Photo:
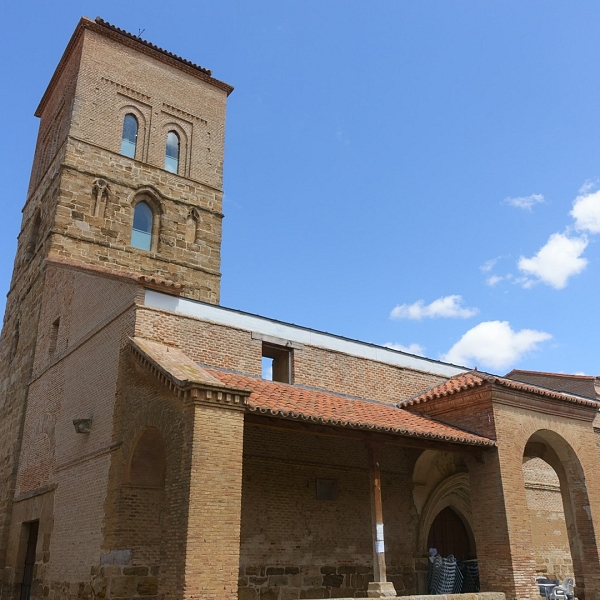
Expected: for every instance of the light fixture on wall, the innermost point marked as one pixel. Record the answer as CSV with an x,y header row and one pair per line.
x,y
83,425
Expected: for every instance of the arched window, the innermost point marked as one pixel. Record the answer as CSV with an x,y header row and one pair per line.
x,y
129,137
141,233
172,152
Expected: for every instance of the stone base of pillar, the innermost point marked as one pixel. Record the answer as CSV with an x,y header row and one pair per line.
x,y
378,589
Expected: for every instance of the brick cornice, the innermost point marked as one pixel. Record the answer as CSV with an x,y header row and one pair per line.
x,y
183,378
555,407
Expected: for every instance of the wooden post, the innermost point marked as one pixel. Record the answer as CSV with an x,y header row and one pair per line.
x,y
380,587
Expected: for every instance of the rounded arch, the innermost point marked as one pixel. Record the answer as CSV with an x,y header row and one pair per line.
x,y
558,453
142,238
452,492
148,462
172,127
140,146
422,466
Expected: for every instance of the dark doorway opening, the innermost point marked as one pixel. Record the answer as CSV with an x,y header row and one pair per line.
x,y
32,537
448,535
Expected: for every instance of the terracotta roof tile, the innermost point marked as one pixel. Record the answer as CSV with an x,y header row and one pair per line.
x,y
465,381
137,38
318,406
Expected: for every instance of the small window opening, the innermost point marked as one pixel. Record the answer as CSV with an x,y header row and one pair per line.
x,y
141,233
32,537
327,490
276,363
172,152
129,137
54,336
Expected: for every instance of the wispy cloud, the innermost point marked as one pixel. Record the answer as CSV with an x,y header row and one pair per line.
x,y
488,265
494,345
493,280
586,212
341,136
525,202
446,307
411,348
555,262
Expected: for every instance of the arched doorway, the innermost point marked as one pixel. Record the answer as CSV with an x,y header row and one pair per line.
x,y
448,535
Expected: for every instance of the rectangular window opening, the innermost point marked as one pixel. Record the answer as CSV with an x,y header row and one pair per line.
x,y
32,537
276,363
327,490
54,336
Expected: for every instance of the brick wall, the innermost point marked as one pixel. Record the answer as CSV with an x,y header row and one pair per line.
x,y
231,348
547,516
570,446
296,546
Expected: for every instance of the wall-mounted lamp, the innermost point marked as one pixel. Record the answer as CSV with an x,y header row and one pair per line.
x,y
83,425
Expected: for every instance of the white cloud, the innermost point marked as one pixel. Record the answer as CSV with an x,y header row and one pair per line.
x,y
586,212
588,186
525,202
556,261
448,307
411,349
494,345
493,280
488,265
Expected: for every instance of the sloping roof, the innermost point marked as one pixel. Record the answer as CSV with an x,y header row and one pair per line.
x,y
173,363
472,379
319,406
580,385
141,40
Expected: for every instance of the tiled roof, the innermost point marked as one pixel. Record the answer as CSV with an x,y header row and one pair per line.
x,y
472,379
318,406
581,385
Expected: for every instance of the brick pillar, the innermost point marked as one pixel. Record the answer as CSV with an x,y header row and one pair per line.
x,y
501,526
212,549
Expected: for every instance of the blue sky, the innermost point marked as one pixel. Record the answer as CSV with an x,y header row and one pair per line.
x,y
423,174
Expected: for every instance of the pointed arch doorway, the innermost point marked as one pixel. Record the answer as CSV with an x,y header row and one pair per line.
x,y
448,535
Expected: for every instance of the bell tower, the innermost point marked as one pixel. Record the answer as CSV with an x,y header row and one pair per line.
x,y
128,168
127,177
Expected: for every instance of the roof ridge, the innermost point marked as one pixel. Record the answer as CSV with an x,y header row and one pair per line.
x,y
137,38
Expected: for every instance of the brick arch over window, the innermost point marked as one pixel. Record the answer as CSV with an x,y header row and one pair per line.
x,y
184,146
147,466
152,199
553,449
141,144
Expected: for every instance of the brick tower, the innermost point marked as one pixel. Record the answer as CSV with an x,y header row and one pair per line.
x,y
127,177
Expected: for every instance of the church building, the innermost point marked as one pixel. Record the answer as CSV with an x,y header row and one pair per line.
x,y
144,452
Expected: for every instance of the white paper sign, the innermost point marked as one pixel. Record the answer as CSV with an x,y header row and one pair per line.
x,y
379,529
379,547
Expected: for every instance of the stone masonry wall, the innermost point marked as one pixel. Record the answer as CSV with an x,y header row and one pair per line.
x,y
93,236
